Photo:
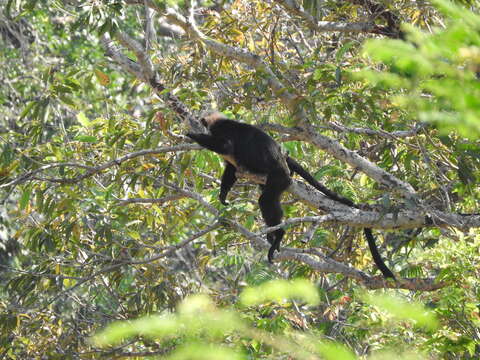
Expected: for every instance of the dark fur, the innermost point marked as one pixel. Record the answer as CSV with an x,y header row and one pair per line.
x,y
245,146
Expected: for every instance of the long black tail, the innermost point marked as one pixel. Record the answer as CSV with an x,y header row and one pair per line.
x,y
297,168
376,255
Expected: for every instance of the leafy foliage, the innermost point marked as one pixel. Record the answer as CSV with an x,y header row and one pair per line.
x,y
110,223
197,317
439,72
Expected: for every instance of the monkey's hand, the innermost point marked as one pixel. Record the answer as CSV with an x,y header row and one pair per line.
x,y
192,135
274,238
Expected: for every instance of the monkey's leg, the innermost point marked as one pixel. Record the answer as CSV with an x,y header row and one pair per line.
x,y
228,179
277,182
213,143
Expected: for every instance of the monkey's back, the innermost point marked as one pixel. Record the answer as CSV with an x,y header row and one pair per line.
x,y
252,148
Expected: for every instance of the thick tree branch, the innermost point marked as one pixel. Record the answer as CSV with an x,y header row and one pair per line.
x,y
381,133
141,54
348,156
340,152
327,265
146,73
377,219
150,34
121,59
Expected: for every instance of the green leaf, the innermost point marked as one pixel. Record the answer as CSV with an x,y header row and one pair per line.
x,y
154,326
317,74
279,291
343,50
403,310
86,138
67,100
83,120
334,351
25,198
27,109
205,352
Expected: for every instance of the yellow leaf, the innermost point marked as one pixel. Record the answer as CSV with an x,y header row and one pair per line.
x,y
239,36
68,282
363,180
134,235
76,231
102,78
251,44
148,166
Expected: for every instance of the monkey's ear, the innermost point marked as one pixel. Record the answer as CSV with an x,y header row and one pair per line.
x,y
204,122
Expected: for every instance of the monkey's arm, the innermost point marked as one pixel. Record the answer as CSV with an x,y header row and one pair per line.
x,y
228,179
213,143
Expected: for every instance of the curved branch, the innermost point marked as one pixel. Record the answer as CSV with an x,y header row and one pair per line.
x,y
290,99
124,61
375,219
146,73
162,200
325,264
370,132
141,54
340,152
350,157
92,170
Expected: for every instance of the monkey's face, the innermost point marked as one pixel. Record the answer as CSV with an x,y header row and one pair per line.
x,y
204,122
210,119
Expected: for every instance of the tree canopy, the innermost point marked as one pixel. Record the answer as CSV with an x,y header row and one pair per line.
x,y
113,242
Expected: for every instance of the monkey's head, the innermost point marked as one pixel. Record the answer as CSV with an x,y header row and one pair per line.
x,y
212,118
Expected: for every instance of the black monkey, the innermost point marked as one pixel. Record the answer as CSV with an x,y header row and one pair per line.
x,y
247,147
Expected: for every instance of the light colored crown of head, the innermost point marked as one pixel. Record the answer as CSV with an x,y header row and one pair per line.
x,y
212,117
